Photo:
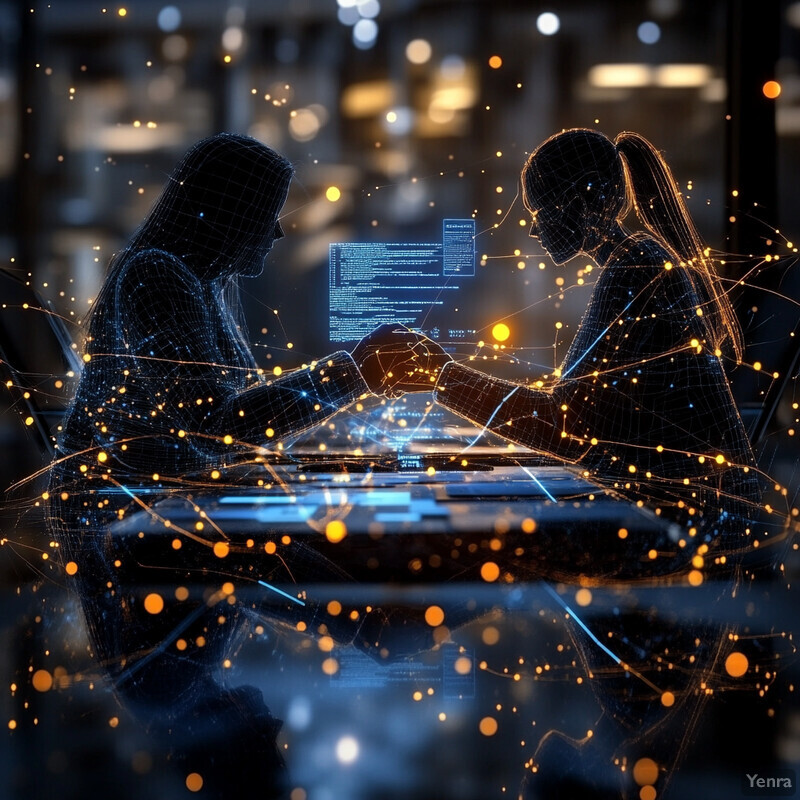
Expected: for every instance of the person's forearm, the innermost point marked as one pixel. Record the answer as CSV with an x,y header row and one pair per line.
x,y
288,405
531,417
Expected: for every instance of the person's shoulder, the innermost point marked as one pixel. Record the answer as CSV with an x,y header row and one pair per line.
x,y
640,250
156,270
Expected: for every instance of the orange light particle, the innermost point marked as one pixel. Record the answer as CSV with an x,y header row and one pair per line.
x,y
695,577
583,597
495,62
648,793
221,549
154,603
71,568
501,332
434,616
736,664
490,571
667,699
488,726
335,531
330,666
771,89
645,771
463,665
194,781
42,680
334,608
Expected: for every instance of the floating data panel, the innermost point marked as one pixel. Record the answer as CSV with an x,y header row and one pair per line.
x,y
412,283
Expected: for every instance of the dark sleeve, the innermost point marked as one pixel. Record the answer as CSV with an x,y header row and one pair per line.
x,y
532,417
169,335
291,403
632,382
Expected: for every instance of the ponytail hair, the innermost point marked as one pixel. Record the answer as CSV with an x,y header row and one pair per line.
x,y
660,207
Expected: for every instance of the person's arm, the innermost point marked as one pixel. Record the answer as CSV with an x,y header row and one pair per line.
x,y
535,418
291,403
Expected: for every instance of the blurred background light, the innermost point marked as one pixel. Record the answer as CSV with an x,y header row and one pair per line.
x,y
304,125
365,32
348,15
347,750
399,121
175,47
169,19
233,38
419,51
625,76
648,32
548,23
369,9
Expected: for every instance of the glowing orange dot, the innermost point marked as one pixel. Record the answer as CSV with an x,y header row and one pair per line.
x,y
622,533
488,726
695,577
71,568
463,665
490,571
194,781
490,635
528,525
335,531
42,680
495,62
771,89
434,616
330,666
270,548
645,771
583,597
154,603
501,332
177,544
221,549
648,793
667,699
334,608
736,664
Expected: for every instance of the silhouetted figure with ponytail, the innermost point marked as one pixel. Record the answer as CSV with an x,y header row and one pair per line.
x,y
641,405
641,401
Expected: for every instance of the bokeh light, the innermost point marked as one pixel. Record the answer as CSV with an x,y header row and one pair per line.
x,y
548,23
648,32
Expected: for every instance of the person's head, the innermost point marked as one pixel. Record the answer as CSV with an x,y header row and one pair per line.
x,y
219,210
574,187
579,185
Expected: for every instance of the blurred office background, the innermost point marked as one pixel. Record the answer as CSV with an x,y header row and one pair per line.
x,y
396,114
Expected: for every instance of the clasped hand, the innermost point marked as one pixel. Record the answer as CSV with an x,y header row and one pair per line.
x,y
394,359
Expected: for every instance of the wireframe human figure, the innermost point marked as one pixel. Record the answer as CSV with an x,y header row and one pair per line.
x,y
641,401
170,391
641,404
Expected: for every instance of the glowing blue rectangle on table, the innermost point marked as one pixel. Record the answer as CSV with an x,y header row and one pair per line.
x,y
258,499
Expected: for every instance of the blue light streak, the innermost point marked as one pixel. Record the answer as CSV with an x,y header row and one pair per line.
x,y
284,594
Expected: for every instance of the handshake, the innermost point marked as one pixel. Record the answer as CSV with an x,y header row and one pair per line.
x,y
394,360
